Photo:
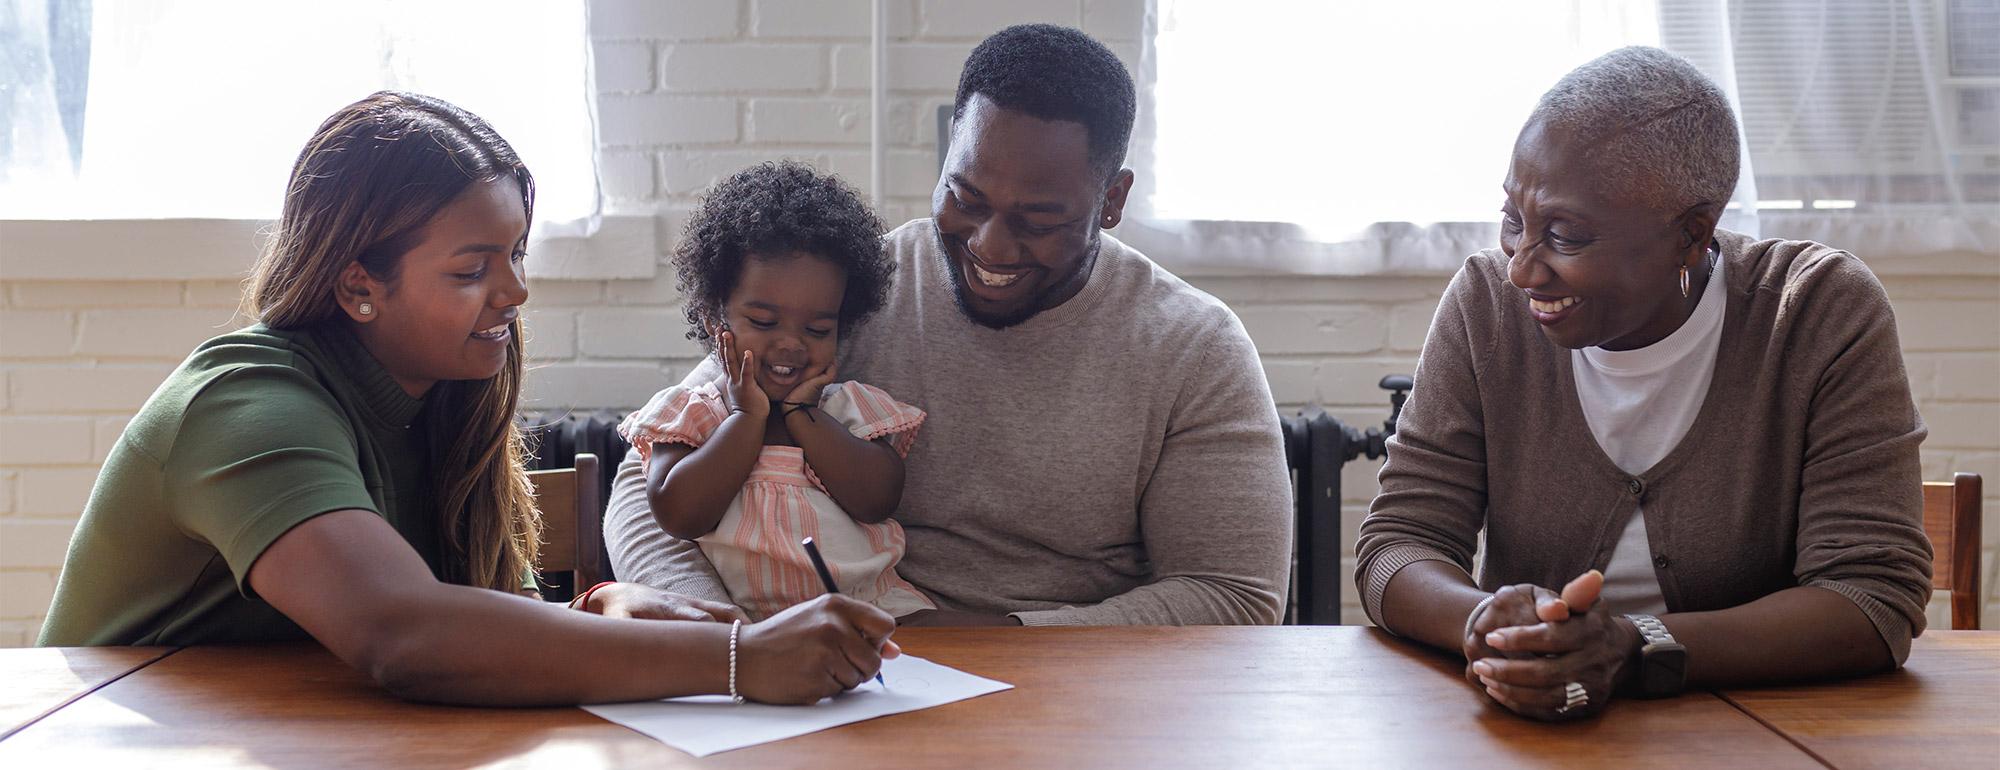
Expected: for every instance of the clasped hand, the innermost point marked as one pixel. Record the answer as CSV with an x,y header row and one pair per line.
x,y
1525,644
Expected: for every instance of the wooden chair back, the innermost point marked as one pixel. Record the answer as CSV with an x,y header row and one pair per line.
x,y
1951,519
572,520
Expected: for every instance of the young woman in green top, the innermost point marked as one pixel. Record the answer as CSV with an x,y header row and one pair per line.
x,y
349,468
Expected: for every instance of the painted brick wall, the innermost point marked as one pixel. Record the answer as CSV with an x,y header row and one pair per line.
x,y
692,90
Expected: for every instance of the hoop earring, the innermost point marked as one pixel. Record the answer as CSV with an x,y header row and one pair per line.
x,y
368,309
1684,281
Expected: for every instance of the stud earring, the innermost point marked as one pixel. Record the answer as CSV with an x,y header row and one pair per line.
x,y
368,309
1684,281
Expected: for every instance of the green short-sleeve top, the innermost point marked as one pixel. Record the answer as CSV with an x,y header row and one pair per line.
x,y
258,431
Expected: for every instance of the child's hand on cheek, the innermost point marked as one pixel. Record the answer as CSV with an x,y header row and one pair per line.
x,y
740,389
808,392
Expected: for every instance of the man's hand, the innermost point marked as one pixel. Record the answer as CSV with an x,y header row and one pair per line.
x,y
634,600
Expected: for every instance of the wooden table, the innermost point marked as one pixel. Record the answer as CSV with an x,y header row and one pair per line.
x,y
40,681
1941,710
1189,697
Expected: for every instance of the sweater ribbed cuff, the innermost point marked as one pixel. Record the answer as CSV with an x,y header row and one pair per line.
x,y
1383,568
1892,625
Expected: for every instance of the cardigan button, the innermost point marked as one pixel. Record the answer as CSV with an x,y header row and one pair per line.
x,y
1634,486
1660,560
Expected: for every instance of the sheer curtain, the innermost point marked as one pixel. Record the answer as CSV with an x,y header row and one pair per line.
x,y
1871,126
197,109
1364,138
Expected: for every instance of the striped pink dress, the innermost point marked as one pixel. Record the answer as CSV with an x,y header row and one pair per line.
x,y
755,548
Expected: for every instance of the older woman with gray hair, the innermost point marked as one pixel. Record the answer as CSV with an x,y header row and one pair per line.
x,y
1693,454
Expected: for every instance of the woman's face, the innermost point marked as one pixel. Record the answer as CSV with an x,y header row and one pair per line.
x,y
1597,267
450,312
786,310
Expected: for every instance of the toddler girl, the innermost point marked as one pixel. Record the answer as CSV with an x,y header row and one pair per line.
x,y
775,266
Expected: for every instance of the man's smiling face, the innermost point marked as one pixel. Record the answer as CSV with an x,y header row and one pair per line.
x,y
1018,210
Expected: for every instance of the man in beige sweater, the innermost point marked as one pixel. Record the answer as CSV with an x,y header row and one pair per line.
x,y
1101,446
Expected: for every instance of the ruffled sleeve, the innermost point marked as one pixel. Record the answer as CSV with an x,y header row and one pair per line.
x,y
870,413
677,415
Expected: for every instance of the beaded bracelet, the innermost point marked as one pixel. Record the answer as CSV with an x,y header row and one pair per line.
x,y
735,626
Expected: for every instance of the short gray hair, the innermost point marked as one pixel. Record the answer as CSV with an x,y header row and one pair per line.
x,y
1648,114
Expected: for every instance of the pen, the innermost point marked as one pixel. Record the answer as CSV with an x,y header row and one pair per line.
x,y
826,579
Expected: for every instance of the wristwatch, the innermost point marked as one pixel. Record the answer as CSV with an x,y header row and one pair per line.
x,y
1662,661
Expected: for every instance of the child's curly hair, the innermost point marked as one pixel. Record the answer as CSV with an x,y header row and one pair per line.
x,y
774,209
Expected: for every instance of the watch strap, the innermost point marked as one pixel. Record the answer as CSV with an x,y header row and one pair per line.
x,y
1652,630
1662,659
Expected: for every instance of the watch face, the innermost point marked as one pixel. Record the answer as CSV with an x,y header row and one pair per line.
x,y
1662,669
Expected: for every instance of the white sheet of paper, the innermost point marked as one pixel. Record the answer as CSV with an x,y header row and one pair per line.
x,y
705,724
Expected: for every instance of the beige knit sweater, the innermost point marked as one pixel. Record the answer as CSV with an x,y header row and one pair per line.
x,y
1800,469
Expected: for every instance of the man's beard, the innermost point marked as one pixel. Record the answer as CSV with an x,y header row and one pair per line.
x,y
955,274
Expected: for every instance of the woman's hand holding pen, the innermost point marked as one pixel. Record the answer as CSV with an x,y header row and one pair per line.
x,y
814,649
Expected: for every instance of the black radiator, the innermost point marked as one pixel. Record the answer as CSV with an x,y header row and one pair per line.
x,y
1316,447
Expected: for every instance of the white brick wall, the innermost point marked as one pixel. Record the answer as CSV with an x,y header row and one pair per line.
x,y
827,19
692,90
664,19
976,20
637,119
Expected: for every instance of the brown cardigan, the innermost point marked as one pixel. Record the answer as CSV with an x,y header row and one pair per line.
x,y
1800,469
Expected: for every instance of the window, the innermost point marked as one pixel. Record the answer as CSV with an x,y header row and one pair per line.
x,y
1864,108
198,108
1347,114
1370,137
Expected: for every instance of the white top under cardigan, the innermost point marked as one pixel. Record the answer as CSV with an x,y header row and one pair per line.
x,y
1639,404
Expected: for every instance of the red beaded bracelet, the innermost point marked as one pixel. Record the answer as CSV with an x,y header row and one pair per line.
x,y
582,600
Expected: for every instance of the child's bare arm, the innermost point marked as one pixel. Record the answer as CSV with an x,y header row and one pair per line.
x,y
689,489
864,477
